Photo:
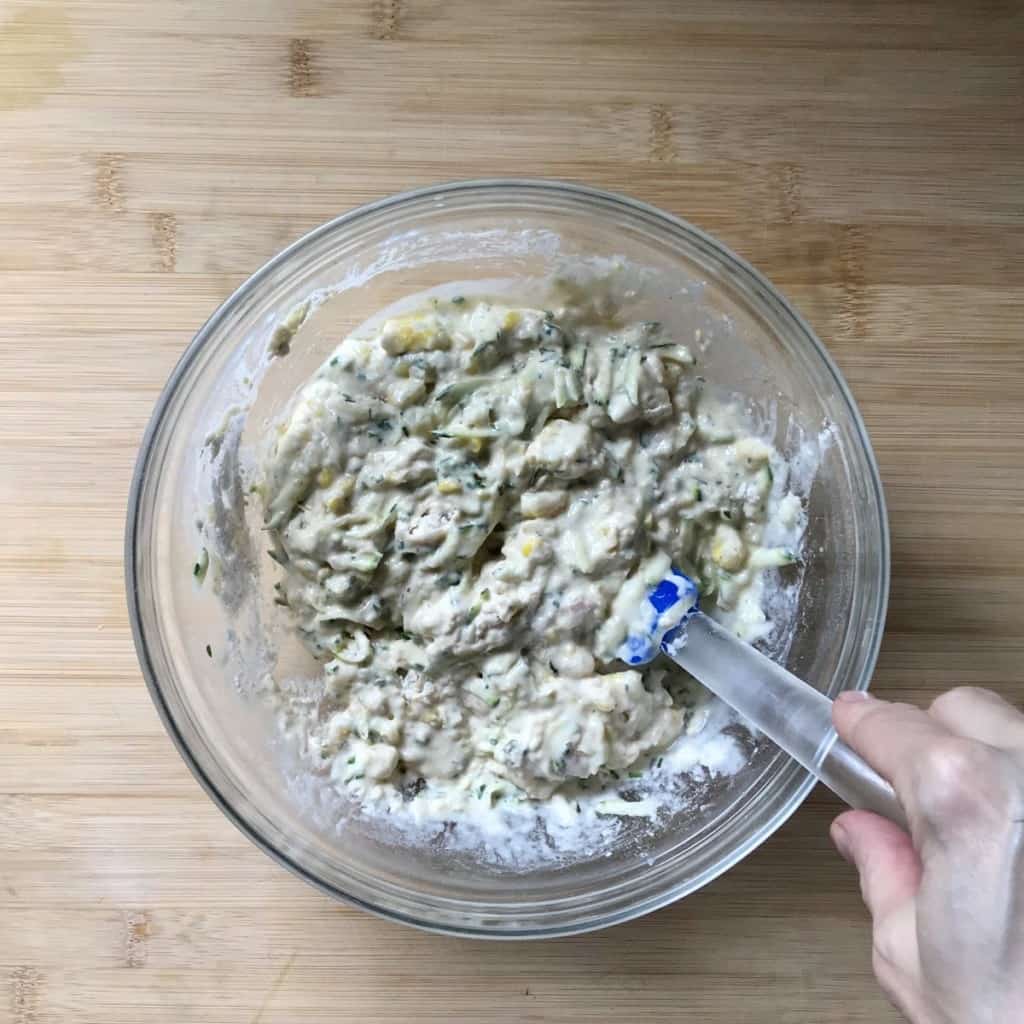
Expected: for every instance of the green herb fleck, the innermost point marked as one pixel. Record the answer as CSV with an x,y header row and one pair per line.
x,y
209,651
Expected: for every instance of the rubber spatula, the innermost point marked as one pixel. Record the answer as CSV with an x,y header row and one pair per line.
x,y
790,712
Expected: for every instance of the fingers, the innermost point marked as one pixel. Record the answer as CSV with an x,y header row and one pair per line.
x,y
950,784
980,715
892,738
889,868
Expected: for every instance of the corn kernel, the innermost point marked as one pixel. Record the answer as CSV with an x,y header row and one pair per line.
x,y
528,548
727,549
449,486
412,334
325,477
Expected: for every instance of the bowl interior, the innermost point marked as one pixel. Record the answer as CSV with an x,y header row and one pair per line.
x,y
207,656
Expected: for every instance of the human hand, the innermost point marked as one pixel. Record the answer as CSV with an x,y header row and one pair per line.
x,y
947,901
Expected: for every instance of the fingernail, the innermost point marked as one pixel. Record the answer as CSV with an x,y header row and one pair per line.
x,y
854,696
841,839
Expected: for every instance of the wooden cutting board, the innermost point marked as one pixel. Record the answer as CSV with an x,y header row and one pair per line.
x,y
868,157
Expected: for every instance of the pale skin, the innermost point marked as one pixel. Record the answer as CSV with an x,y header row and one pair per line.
x,y
947,900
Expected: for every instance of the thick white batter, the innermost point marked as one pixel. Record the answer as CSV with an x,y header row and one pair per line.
x,y
465,506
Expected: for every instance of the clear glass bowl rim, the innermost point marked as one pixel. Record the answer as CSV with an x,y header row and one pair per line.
x,y
497,189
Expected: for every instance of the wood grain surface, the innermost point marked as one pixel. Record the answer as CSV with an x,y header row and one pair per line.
x,y
869,157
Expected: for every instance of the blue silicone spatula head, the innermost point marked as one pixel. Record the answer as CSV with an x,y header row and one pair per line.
x,y
660,621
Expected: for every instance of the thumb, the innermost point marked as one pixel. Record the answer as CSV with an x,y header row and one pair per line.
x,y
890,873
889,868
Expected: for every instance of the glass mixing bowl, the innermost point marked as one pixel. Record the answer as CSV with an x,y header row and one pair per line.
x,y
203,654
